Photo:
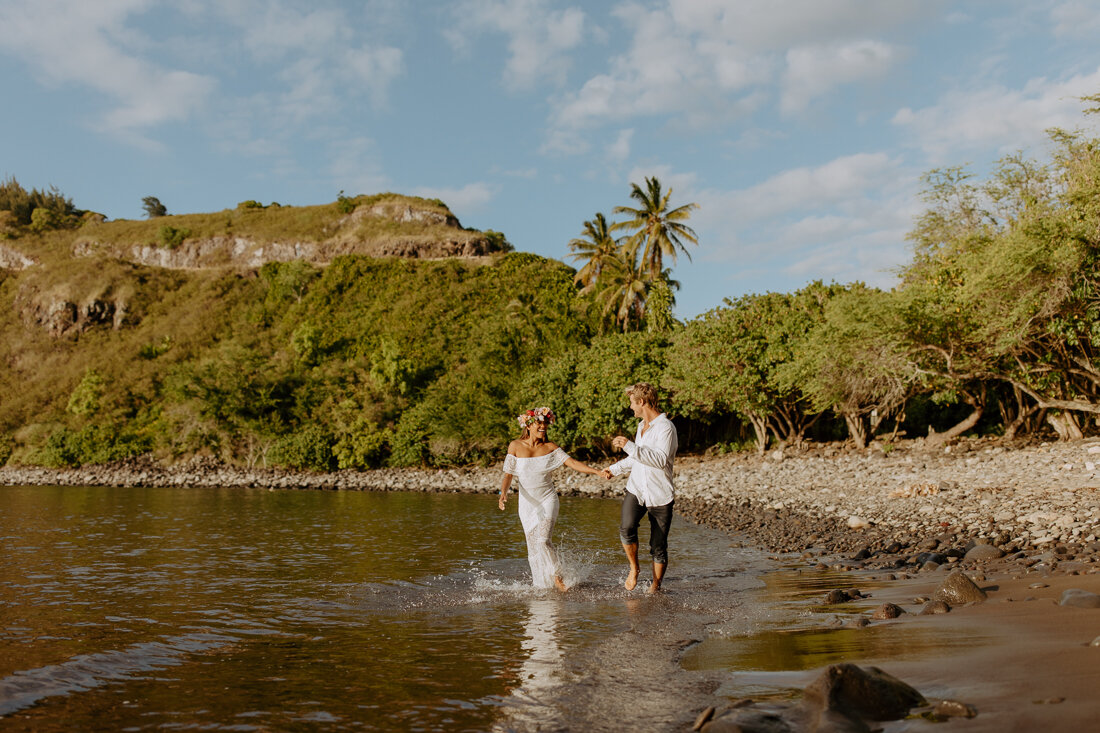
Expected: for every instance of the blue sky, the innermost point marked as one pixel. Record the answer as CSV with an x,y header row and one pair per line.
x,y
800,127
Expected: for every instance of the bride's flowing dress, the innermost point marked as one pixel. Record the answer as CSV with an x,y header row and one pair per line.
x,y
538,511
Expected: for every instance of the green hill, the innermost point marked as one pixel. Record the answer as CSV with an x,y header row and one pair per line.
x,y
367,331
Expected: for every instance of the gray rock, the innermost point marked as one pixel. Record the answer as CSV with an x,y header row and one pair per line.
x,y
984,552
959,589
932,607
887,611
870,693
1078,598
837,596
750,720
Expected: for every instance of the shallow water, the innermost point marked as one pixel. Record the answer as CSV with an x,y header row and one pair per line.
x,y
135,608
255,610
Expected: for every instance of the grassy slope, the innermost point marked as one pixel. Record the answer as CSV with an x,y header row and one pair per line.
x,y
181,327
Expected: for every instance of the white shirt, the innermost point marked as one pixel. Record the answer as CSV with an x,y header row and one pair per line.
x,y
649,462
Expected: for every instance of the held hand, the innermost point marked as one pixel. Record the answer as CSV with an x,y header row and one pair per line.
x,y
618,442
606,473
502,501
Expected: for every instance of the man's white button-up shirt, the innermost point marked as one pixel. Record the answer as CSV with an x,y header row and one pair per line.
x,y
649,461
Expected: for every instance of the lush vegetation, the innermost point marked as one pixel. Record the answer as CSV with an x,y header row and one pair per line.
x,y
368,362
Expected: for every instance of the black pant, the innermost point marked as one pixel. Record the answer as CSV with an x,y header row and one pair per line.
x,y
660,520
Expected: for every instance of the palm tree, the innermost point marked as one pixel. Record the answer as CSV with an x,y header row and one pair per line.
x,y
660,228
595,247
624,287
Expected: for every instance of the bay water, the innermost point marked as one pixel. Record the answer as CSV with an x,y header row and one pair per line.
x,y
256,610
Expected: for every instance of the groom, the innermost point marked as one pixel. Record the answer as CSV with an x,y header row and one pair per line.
x,y
649,488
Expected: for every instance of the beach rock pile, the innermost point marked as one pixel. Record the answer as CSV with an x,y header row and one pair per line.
x,y
916,506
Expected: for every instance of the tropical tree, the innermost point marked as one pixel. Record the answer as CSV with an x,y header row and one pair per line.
x,y
623,288
851,362
595,247
660,229
153,207
729,360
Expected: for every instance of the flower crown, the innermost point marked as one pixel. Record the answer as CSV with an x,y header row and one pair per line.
x,y
539,414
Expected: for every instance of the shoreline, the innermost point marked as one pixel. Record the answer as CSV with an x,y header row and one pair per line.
x,y
1021,497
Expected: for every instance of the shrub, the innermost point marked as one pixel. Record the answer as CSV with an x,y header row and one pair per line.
x,y
153,350
85,398
309,448
7,445
43,219
411,441
364,446
171,237
67,448
344,204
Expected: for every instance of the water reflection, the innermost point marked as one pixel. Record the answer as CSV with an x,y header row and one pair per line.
x,y
533,703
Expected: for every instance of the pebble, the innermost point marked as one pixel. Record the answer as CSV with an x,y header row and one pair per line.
x,y
954,709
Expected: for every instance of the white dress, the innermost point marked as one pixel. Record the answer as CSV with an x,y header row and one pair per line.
x,y
538,511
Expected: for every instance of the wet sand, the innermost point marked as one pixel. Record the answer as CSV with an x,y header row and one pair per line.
x,y
1031,666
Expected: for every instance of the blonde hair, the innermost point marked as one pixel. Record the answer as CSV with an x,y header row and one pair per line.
x,y
644,392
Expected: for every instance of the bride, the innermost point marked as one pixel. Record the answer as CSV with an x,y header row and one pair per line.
x,y
532,459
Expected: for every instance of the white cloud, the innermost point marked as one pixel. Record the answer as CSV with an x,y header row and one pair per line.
x,y
813,71
844,179
845,220
271,31
539,38
701,62
996,117
373,69
471,197
780,24
355,167
619,150
1076,19
86,44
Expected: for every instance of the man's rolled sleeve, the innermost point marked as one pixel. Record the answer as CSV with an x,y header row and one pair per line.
x,y
619,467
656,456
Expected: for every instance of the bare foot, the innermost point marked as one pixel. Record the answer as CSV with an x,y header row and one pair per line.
x,y
631,579
560,583
653,588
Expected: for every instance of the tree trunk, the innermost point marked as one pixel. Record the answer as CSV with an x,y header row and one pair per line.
x,y
857,429
977,402
760,427
1065,424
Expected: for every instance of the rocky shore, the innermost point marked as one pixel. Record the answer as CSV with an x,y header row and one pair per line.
x,y
910,505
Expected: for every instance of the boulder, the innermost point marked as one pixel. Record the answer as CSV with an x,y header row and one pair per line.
x,y
984,552
959,589
751,720
932,607
838,596
869,694
887,611
1078,598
